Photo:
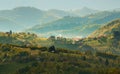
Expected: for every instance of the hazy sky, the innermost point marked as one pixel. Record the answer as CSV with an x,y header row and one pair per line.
x,y
61,4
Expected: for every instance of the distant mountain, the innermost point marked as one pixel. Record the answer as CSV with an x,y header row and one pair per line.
x,y
117,9
60,26
29,16
108,29
84,11
9,24
58,13
75,26
22,18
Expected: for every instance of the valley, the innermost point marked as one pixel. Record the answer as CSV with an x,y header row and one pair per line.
x,y
81,41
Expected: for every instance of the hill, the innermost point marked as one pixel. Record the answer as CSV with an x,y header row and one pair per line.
x,y
25,60
27,17
108,29
105,39
26,53
75,26
7,24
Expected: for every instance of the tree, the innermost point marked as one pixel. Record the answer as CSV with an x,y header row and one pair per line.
x,y
116,34
52,38
84,58
23,53
88,52
52,49
10,32
106,62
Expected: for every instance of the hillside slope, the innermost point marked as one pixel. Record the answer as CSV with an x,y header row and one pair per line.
x,y
108,29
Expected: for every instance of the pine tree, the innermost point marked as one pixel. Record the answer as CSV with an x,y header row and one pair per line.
x,y
106,62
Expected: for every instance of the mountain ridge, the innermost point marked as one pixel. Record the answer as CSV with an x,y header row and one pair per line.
x,y
30,16
76,26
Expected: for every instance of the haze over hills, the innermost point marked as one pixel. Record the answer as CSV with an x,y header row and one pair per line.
x,y
84,11
54,22
24,53
29,16
76,26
